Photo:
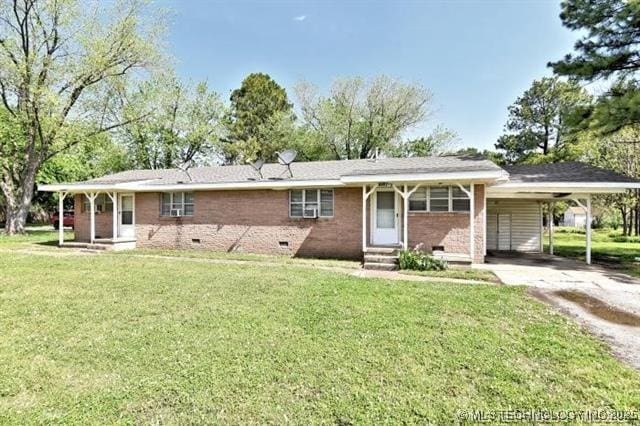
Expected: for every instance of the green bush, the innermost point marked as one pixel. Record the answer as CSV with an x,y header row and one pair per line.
x,y
417,260
568,230
624,239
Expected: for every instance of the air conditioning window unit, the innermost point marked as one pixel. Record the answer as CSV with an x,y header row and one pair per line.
x,y
175,213
310,213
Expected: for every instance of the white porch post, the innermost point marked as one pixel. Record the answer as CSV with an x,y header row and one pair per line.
x,y
61,196
405,194
472,221
92,198
114,202
405,219
588,230
364,218
550,220
365,196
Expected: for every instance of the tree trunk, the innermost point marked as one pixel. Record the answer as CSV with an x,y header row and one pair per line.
x,y
637,212
18,197
623,213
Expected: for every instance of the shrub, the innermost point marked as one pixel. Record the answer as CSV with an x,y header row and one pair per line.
x,y
624,239
418,260
568,230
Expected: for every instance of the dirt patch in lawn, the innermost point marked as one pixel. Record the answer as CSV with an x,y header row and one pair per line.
x,y
599,308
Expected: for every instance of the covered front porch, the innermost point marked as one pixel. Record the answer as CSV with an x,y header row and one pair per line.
x,y
445,218
110,218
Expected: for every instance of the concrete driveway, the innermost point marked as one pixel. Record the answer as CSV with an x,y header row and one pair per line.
x,y
604,301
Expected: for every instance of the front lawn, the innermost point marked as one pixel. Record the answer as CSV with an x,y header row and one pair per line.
x,y
608,248
463,273
123,339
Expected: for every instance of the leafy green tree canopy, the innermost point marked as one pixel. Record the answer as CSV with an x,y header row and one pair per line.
x,y
59,64
608,49
359,117
259,121
182,123
537,121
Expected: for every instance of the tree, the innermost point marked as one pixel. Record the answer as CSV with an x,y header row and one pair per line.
x,y
436,143
56,60
259,120
607,50
537,121
182,124
620,151
359,117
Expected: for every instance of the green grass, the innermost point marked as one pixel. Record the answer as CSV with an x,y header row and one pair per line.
x,y
608,247
218,255
123,339
458,273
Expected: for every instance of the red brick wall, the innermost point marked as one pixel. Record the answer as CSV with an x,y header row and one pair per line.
x,y
82,222
258,220
450,230
253,221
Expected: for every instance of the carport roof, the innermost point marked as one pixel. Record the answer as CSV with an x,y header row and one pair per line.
x,y
570,171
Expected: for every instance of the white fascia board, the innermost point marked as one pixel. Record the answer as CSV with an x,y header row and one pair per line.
x,y
563,186
75,187
146,187
422,177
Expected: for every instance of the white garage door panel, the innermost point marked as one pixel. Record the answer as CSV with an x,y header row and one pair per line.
x,y
525,224
492,231
504,231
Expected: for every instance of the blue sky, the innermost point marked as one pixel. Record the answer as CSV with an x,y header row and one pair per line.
x,y
475,56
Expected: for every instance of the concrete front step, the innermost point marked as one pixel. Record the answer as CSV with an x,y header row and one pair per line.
x,y
380,258
380,266
382,250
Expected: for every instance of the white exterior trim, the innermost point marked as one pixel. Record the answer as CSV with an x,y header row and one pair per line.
x,y
422,177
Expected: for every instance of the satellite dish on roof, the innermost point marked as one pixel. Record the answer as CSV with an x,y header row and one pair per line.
x,y
257,165
185,168
286,158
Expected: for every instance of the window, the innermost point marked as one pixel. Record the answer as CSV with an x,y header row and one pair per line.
x,y
178,202
418,200
459,199
311,203
102,204
439,199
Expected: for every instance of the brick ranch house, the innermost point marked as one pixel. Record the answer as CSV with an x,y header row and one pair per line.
x,y
458,207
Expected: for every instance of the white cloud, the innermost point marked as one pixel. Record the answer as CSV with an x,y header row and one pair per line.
x,y
300,18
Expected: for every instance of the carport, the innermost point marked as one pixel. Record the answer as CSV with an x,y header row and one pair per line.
x,y
514,208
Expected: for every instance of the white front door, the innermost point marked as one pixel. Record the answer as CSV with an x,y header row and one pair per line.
x,y
126,223
385,218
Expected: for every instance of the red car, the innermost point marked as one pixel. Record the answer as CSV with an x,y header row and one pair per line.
x,y
68,219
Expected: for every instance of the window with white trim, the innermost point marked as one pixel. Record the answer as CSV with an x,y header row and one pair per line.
x,y
459,199
311,203
440,199
177,204
102,204
418,200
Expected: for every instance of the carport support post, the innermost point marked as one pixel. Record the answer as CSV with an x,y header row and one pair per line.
x,y
550,219
61,196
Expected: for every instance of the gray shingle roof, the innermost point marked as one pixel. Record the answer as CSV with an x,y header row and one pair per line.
x,y
317,170
570,171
